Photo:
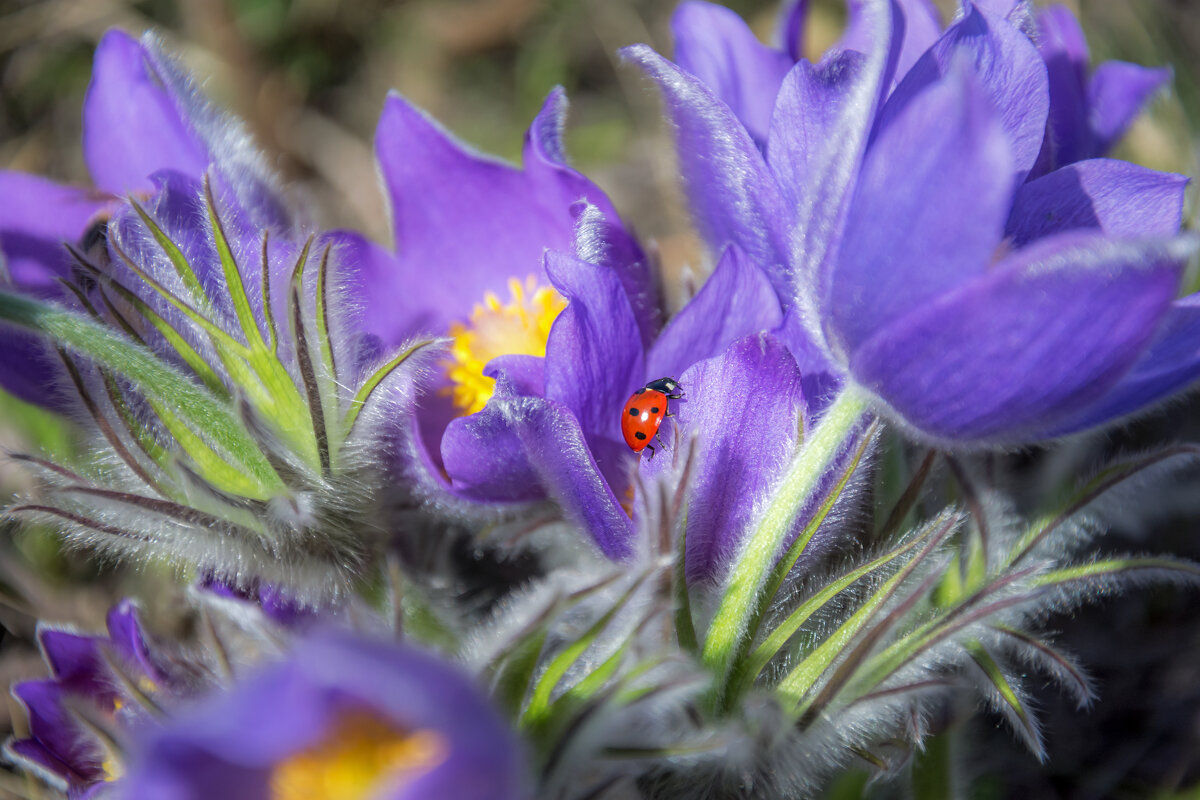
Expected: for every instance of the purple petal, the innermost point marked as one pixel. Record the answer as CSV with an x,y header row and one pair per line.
x,y
1043,334
1010,72
922,27
132,128
1122,199
714,44
916,23
484,456
55,730
36,217
732,195
810,103
74,660
746,409
942,153
1064,49
129,639
518,444
526,375
791,28
594,358
1168,366
1116,95
473,221
736,300
606,243
386,307
832,171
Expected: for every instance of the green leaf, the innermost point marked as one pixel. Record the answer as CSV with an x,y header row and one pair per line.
x,y
515,674
191,403
726,636
1090,491
1007,694
371,383
1113,567
178,260
539,703
749,670
797,684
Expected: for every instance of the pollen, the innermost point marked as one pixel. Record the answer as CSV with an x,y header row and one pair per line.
x,y
360,758
519,327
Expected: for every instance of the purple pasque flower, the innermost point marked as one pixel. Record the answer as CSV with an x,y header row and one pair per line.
x,y
554,424
912,259
716,45
342,716
95,684
1089,110
141,115
470,234
105,690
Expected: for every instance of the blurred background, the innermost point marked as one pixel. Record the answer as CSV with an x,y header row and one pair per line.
x,y
310,76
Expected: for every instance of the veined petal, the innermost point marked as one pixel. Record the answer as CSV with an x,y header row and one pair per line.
x,y
594,357
518,446
810,101
1065,51
1169,365
714,44
735,301
916,21
1122,199
376,274
131,125
942,153
732,195
36,217
471,220
1046,332
1116,94
1011,74
746,408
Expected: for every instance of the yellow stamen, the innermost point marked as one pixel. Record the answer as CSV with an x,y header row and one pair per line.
x,y
520,327
360,758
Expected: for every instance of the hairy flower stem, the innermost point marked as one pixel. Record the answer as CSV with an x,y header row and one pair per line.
x,y
731,624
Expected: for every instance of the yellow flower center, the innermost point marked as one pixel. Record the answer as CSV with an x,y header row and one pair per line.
x,y
520,327
359,759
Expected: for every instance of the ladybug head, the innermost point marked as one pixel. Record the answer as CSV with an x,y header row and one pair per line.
x,y
668,386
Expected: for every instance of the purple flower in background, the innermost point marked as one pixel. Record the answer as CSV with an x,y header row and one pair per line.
x,y
1090,110
914,263
105,690
95,683
141,116
341,717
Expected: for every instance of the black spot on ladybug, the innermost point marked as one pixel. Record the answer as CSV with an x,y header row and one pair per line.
x,y
641,391
639,435
654,410
633,412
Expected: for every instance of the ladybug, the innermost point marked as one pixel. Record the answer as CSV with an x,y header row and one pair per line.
x,y
644,412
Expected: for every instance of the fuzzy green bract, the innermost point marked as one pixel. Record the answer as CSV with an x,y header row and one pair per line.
x,y
230,438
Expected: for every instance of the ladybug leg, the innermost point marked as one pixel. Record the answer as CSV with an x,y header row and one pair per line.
x,y
658,436
650,447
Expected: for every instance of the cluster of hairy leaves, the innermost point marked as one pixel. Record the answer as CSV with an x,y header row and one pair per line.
x,y
247,447
606,671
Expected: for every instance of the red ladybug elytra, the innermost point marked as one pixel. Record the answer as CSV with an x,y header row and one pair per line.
x,y
645,411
